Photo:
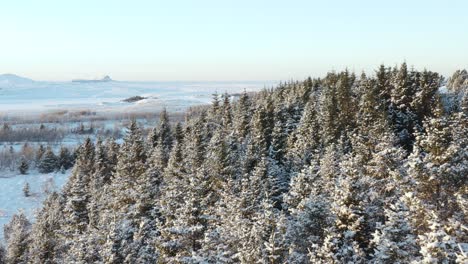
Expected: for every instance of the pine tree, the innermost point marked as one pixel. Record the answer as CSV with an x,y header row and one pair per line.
x,y
2,254
346,104
85,156
24,166
77,199
161,134
148,186
401,113
17,235
45,244
308,206
65,159
329,112
394,241
218,160
437,246
130,169
226,111
242,116
196,147
257,145
26,190
48,162
383,86
215,105
458,79
438,163
99,180
77,194
279,135
112,151
39,153
304,143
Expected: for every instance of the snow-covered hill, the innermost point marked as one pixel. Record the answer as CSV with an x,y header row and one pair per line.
x,y
21,95
12,80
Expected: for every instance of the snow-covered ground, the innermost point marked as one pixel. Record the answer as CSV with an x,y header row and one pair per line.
x,y
12,198
22,96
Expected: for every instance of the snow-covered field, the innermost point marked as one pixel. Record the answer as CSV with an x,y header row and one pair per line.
x,y
12,198
22,96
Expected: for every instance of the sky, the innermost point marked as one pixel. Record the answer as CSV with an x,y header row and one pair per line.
x,y
227,39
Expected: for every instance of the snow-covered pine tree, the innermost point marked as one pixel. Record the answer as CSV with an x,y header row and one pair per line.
x,y
401,115
394,240
307,204
100,178
226,119
112,152
215,106
438,163
161,134
39,153
165,136
425,99
242,116
279,135
77,199
45,244
24,166
48,161
65,158
77,196
458,79
2,254
257,143
304,143
329,111
17,236
131,167
26,190
346,103
437,246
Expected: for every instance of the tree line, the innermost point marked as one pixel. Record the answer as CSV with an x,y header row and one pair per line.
x,y
41,157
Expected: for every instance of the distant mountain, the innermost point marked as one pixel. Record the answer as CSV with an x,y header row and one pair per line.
x,y
12,79
105,79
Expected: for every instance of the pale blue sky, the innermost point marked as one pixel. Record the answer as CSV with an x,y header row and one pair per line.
x,y
227,39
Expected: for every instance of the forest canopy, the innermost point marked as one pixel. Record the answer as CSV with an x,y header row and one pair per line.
x,y
339,169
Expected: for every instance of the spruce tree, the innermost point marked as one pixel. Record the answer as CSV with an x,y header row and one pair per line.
x,y
2,254
242,116
65,159
17,235
48,162
26,190
394,241
39,153
226,111
45,244
24,166
130,168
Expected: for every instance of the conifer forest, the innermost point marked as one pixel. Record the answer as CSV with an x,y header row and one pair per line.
x,y
345,168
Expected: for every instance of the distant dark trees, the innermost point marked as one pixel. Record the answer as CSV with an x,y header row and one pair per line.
x,y
30,134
